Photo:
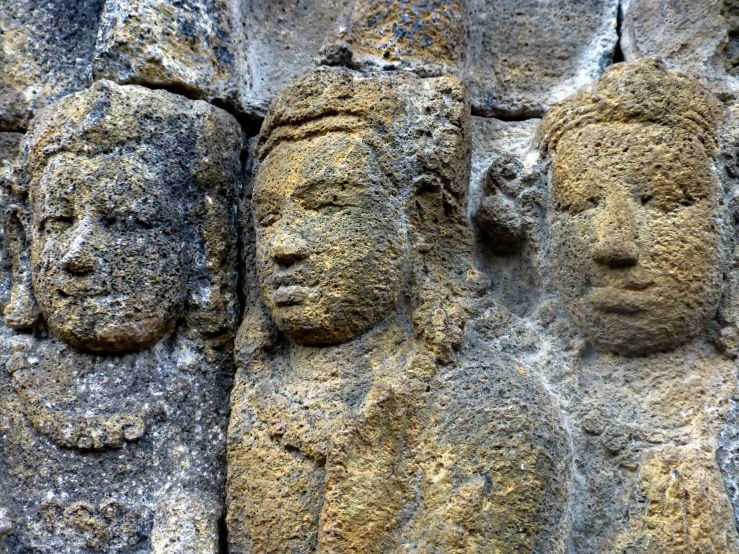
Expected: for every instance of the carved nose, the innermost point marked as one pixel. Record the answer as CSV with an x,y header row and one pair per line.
x,y
615,228
288,249
615,253
79,258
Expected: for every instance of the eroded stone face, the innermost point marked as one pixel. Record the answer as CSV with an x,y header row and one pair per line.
x,y
329,238
121,235
107,251
635,240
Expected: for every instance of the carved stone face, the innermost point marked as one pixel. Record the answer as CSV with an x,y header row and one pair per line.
x,y
106,252
329,238
634,232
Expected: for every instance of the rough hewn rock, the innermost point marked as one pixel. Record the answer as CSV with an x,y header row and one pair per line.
x,y
9,148
284,41
527,55
234,53
45,54
693,37
430,38
196,47
114,401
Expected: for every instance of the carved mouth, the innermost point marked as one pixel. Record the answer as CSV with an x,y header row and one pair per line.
x,y
628,300
71,292
290,295
637,285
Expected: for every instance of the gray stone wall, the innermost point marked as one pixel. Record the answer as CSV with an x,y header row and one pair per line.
x,y
369,276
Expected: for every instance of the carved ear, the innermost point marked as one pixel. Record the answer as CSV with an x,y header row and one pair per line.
x,y
22,312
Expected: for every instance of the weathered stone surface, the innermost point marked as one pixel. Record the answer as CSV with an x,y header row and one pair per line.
x,y
486,333
234,53
196,47
9,148
361,415
526,56
284,39
430,38
640,238
114,400
632,174
698,38
506,204
45,53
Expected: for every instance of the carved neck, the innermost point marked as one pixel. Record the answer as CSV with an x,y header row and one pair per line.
x,y
685,390
381,346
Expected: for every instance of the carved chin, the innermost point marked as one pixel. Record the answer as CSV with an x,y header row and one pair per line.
x,y
635,329
311,326
112,335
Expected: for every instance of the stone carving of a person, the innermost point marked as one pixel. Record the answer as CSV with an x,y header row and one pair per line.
x,y
116,373
640,239
367,415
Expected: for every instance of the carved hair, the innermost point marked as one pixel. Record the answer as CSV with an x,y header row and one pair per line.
x,y
642,91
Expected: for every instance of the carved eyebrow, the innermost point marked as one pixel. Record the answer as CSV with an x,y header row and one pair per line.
x,y
264,195
328,183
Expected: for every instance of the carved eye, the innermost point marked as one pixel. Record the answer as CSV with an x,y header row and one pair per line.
x,y
144,222
56,223
576,208
109,220
265,220
561,206
688,200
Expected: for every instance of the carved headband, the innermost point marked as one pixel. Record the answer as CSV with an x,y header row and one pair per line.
x,y
643,91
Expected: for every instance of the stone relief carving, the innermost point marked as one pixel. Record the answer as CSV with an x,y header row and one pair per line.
x,y
340,440
122,242
460,333
640,239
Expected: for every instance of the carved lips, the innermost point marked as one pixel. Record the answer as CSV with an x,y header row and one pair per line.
x,y
289,295
630,297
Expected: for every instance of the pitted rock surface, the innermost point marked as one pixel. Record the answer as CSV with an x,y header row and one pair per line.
x,y
369,276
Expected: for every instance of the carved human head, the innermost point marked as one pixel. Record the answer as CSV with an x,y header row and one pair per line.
x,y
635,210
123,201
331,186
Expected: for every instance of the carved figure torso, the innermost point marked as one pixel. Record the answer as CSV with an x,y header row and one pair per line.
x,y
640,241
80,427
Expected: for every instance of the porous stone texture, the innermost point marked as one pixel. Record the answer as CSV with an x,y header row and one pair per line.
x,y
640,238
429,38
9,148
698,38
369,276
234,53
45,53
360,417
284,40
116,355
196,47
527,55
